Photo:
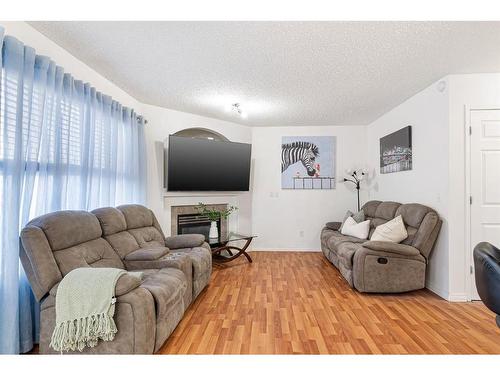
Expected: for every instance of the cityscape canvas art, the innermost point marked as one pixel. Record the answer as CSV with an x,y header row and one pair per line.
x,y
308,162
396,152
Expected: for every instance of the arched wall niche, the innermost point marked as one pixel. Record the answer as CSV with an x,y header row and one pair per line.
x,y
201,133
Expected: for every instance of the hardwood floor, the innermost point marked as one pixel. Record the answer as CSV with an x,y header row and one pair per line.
x,y
288,302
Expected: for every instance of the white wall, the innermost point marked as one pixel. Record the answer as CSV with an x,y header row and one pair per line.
x,y
161,123
291,219
465,90
44,46
427,183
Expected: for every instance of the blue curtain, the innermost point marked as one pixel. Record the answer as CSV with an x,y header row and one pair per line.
x,y
63,145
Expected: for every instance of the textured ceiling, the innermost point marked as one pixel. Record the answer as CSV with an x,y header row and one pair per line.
x,y
283,73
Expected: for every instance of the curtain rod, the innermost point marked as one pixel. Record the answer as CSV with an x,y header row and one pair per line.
x,y
139,118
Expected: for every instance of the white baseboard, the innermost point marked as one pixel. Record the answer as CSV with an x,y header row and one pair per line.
x,y
458,297
440,292
455,297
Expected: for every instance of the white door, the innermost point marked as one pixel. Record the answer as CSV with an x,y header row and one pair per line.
x,y
484,180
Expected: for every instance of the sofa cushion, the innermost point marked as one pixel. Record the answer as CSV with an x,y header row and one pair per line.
x,y
184,240
358,230
369,208
123,243
94,253
149,253
387,210
64,229
337,238
167,286
136,216
111,219
346,251
38,261
148,237
411,235
201,259
413,213
392,231
333,225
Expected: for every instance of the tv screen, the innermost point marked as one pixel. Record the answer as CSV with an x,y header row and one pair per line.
x,y
206,165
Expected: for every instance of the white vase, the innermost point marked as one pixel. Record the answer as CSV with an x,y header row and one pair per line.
x,y
214,232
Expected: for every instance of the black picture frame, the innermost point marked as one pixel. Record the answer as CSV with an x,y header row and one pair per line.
x,y
396,151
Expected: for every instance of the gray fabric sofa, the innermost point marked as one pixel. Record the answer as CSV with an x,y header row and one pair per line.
x,y
175,270
384,267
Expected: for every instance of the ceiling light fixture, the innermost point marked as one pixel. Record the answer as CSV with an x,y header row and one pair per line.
x,y
236,107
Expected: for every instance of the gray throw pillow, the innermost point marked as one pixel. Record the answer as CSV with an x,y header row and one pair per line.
x,y
358,217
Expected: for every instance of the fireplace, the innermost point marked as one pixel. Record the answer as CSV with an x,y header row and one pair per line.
x,y
187,220
194,223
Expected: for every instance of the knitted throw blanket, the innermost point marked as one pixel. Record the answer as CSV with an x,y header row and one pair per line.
x,y
85,308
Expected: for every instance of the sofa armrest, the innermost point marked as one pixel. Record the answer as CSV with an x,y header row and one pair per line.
x,y
125,284
333,225
391,247
147,253
184,240
167,261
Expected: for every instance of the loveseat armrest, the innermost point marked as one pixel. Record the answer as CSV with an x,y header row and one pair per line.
x,y
184,240
124,284
391,247
333,225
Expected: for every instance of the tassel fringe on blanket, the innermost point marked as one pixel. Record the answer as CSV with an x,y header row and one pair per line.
x,y
85,305
83,332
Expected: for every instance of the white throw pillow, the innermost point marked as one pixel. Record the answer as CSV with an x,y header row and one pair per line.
x,y
358,230
392,231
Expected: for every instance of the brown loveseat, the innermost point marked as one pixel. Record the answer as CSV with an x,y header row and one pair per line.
x,y
175,270
384,267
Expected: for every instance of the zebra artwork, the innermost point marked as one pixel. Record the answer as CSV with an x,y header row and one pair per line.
x,y
308,162
304,152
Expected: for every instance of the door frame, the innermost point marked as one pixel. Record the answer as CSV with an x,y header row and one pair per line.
x,y
468,154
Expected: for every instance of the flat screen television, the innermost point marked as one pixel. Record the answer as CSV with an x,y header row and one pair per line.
x,y
207,165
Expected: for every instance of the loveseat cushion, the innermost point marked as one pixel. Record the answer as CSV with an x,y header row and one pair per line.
x,y
184,240
167,286
370,208
123,243
64,229
201,259
387,210
149,253
337,238
111,219
94,253
391,247
334,225
148,237
136,216
346,251
413,213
